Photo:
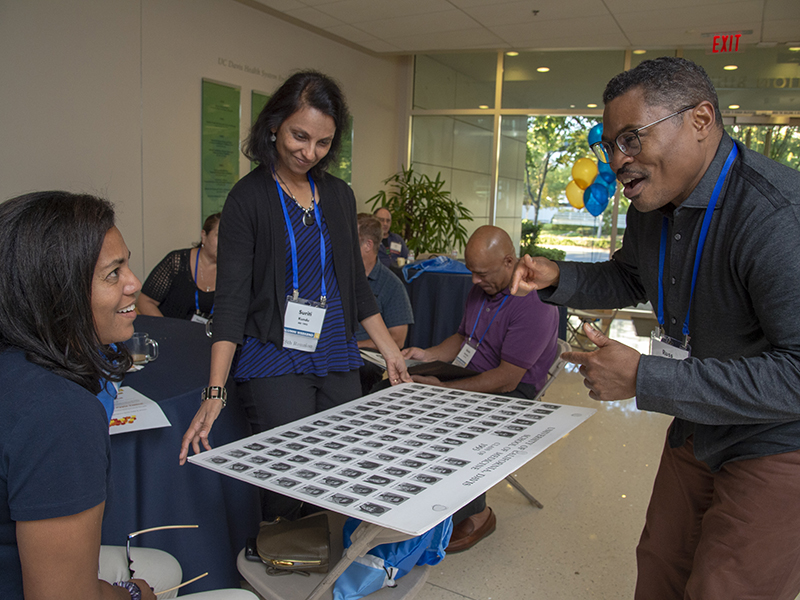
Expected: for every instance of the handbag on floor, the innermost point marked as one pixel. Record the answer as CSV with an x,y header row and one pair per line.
x,y
301,545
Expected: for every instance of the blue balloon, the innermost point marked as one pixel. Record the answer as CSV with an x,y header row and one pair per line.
x,y
607,178
604,167
595,199
595,133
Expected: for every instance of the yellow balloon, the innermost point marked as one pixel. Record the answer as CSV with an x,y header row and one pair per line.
x,y
575,194
583,172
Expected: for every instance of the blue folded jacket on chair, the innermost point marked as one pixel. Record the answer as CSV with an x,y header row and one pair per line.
x,y
385,564
437,264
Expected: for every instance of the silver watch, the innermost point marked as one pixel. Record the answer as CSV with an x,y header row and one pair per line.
x,y
215,392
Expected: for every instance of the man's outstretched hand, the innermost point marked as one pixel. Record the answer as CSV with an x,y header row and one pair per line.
x,y
610,371
532,274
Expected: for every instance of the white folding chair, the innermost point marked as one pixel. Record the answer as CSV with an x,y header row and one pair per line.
x,y
555,369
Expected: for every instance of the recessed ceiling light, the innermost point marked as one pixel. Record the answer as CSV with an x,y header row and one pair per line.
x,y
733,106
483,106
512,53
543,69
639,51
591,106
730,67
794,49
572,106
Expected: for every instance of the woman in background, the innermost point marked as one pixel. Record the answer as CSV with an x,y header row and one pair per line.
x,y
288,240
182,285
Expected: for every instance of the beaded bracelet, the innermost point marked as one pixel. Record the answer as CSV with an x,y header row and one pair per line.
x,y
133,589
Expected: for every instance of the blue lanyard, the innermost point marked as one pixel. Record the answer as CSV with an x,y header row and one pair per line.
x,y
196,293
293,243
107,397
494,316
712,203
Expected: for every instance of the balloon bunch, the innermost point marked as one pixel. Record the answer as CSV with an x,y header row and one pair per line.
x,y
593,183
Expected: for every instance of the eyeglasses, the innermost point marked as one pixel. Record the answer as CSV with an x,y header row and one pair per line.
x,y
628,142
130,562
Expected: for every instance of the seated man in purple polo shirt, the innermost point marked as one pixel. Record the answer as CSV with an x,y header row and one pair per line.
x,y
509,340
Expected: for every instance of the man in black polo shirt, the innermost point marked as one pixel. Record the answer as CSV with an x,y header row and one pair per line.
x,y
712,242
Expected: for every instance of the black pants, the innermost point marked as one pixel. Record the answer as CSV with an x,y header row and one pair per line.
x,y
371,375
274,401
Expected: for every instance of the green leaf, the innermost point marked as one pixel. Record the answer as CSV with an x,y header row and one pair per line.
x,y
423,213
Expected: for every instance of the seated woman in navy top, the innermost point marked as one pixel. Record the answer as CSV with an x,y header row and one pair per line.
x,y
182,285
66,299
66,296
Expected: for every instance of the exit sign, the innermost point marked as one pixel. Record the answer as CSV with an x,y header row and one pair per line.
x,y
725,42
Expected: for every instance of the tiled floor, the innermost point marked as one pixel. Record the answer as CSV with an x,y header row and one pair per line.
x,y
594,484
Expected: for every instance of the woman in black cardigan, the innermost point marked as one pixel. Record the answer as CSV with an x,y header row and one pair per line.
x,y
289,258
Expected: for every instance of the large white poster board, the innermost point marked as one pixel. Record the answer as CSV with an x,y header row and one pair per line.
x,y
403,458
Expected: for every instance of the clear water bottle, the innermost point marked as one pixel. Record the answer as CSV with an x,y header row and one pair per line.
x,y
410,258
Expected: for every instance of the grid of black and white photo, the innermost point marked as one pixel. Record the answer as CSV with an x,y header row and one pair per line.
x,y
405,457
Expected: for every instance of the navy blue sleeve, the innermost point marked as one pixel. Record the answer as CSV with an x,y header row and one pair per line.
x,y
57,456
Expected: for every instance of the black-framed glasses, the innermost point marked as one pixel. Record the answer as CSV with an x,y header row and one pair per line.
x,y
628,142
163,527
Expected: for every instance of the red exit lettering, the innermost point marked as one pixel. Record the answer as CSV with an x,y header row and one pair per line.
x,y
726,43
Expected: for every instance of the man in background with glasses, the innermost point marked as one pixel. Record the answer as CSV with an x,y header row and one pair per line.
x,y
712,242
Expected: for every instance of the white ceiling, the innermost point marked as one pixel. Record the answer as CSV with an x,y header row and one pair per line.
x,y
418,26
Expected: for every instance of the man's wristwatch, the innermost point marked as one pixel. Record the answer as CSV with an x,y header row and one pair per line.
x,y
133,589
215,392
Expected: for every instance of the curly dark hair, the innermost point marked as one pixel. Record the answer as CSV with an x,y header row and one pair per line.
x,y
49,246
667,81
306,88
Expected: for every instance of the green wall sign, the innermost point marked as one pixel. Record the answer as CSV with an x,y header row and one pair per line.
x,y
219,144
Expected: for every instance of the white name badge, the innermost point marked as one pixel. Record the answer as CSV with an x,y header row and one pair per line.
x,y
302,324
466,354
199,319
395,246
667,347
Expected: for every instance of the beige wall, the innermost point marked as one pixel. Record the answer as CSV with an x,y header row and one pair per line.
x,y
104,96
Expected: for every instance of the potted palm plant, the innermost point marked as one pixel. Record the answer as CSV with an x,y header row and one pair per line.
x,y
427,217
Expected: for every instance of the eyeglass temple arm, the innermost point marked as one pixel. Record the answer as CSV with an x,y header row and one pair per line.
x,y
182,584
161,528
135,533
675,114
